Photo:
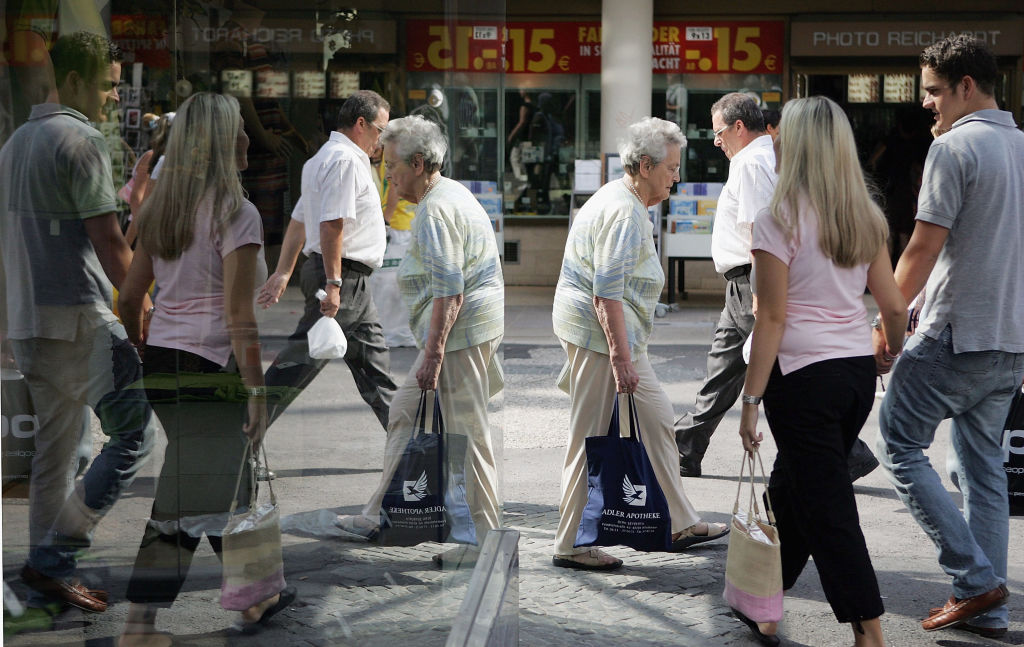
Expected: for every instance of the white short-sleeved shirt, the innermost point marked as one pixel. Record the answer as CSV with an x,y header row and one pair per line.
x,y
747,191
825,313
337,183
610,254
974,186
189,312
453,251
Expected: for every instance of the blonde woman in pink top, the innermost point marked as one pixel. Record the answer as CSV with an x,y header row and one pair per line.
x,y
202,242
821,241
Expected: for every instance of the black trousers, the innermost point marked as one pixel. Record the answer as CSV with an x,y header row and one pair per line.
x,y
815,414
726,373
202,408
367,356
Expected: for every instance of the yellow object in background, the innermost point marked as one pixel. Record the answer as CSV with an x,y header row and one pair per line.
x,y
405,211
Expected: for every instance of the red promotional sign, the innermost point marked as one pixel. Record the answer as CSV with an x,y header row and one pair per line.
x,y
143,35
712,47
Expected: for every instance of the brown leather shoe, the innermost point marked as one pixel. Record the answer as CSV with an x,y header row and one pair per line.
x,y
987,632
72,593
956,612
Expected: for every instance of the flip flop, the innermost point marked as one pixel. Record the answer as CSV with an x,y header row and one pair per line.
x,y
768,640
287,597
689,539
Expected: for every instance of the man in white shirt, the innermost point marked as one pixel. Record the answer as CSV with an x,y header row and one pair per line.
x,y
739,131
339,225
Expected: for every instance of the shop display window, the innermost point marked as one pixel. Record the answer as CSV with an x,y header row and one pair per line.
x,y
899,88
270,78
540,146
863,88
686,99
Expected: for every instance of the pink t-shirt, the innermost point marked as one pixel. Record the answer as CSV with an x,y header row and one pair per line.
x,y
825,313
189,312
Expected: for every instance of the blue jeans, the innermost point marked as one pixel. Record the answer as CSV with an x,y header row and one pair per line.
x,y
100,369
929,384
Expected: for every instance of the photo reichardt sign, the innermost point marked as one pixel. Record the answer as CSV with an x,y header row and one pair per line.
x,y
898,38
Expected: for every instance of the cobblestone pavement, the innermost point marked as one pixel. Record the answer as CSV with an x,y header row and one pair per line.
x,y
363,594
327,453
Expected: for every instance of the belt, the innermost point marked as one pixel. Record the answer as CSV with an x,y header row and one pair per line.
x,y
738,271
354,266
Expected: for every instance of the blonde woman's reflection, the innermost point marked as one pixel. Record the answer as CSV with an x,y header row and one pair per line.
x,y
202,241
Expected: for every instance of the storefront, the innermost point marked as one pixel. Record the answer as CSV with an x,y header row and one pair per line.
x,y
520,133
546,115
871,68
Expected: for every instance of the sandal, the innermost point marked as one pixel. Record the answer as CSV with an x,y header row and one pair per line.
x,y
689,536
352,530
285,599
592,560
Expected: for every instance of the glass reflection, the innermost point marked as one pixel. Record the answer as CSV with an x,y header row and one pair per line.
x,y
62,251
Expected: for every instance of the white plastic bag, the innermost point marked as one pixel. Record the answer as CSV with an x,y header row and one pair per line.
x,y
326,340
752,529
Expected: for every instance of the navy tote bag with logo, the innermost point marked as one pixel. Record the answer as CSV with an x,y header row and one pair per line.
x,y
625,504
426,499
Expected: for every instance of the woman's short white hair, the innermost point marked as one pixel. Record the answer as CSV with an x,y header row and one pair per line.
x,y
648,137
414,136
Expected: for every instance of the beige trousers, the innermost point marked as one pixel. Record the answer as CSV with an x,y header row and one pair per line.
x,y
468,379
591,388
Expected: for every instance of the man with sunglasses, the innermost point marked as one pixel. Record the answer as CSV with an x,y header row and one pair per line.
x,y
338,223
739,131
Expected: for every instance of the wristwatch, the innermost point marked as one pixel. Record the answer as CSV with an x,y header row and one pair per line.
x,y
876,323
751,399
334,282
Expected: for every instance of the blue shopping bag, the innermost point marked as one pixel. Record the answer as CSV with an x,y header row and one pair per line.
x,y
426,499
625,504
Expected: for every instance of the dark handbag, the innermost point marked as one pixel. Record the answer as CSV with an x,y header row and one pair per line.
x,y
1014,453
625,504
426,499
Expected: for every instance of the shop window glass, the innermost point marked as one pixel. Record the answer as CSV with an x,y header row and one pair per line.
x,y
540,137
275,79
686,100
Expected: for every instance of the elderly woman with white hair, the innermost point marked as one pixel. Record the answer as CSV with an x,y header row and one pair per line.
x,y
603,315
451,281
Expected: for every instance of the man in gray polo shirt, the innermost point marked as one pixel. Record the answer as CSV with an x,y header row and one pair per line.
x,y
967,357
62,249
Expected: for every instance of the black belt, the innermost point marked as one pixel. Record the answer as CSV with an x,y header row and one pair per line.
x,y
355,266
736,272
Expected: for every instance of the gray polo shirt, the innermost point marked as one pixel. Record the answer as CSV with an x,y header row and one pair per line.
x,y
974,186
54,175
